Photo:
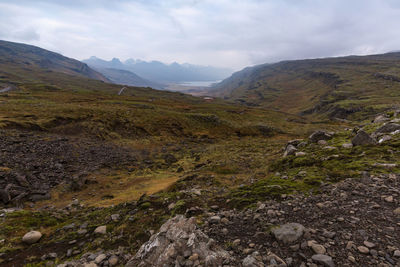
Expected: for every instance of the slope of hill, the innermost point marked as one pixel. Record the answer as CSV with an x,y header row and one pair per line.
x,y
28,57
163,73
337,87
126,77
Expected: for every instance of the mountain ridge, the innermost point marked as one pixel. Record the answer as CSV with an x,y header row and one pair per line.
x,y
29,56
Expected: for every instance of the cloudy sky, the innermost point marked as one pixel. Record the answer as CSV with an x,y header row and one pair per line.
x,y
228,33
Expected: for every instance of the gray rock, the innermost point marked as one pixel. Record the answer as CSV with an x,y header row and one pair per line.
x,y
347,145
101,230
320,135
31,237
384,139
388,128
174,238
362,138
215,219
288,233
323,259
290,150
5,196
250,261
380,118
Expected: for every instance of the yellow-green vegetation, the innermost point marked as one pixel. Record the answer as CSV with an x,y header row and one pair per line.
x,y
347,87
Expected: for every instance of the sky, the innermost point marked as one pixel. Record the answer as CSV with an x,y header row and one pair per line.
x,y
224,33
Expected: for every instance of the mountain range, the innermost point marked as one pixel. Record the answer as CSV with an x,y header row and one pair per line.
x,y
159,72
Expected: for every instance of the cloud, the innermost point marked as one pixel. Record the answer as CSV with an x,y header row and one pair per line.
x,y
229,33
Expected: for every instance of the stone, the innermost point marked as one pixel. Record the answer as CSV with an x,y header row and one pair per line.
x,y
113,260
215,219
369,244
325,260
31,237
5,196
380,118
318,249
347,145
389,199
300,154
384,139
90,264
177,235
115,217
288,233
362,138
290,150
363,250
397,211
388,128
249,261
320,135
396,253
322,142
100,258
102,230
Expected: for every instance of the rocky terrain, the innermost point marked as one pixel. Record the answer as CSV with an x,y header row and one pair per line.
x,y
32,164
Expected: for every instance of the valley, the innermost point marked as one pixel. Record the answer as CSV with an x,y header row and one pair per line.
x,y
288,164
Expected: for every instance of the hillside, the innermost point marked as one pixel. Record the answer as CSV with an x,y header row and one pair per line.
x,y
125,77
163,73
90,177
334,87
28,58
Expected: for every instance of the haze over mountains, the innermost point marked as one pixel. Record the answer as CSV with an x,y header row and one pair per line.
x,y
159,72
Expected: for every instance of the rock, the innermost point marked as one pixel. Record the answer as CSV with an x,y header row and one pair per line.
x,y
363,250
347,145
290,150
31,237
389,199
396,253
318,249
100,258
397,211
369,244
380,118
102,230
174,238
320,135
323,259
250,261
288,233
300,154
384,139
90,264
5,196
388,128
362,138
322,142
215,219
115,217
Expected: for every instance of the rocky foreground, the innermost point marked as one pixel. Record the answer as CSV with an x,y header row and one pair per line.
x,y
338,227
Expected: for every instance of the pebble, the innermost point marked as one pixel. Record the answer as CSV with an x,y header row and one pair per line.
x,y
363,250
318,249
101,230
369,244
113,260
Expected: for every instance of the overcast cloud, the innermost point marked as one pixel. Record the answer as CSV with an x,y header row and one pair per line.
x,y
228,33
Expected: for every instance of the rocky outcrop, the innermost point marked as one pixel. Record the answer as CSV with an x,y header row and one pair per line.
x,y
180,243
362,138
320,135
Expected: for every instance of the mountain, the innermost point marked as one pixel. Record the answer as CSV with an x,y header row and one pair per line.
x,y
163,73
28,57
336,87
126,77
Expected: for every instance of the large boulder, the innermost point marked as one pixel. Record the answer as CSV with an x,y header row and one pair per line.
x,y
179,241
388,128
288,233
320,135
31,237
362,138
